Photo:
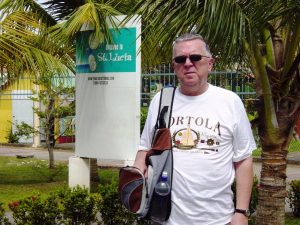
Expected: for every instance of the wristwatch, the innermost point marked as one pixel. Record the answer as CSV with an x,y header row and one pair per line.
x,y
245,212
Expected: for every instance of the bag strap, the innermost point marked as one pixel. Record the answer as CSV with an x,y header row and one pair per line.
x,y
165,107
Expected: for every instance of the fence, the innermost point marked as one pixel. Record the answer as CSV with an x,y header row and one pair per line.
x,y
152,80
156,78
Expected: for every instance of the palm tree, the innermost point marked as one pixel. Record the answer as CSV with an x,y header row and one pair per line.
x,y
73,14
262,35
48,40
31,34
24,43
27,48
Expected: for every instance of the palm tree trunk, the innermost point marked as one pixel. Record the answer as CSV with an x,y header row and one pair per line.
x,y
272,188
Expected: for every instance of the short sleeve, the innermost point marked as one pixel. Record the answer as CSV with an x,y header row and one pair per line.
x,y
243,140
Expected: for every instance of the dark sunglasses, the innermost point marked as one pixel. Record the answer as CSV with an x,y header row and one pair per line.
x,y
194,58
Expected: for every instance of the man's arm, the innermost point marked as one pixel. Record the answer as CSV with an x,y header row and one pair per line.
x,y
244,180
140,162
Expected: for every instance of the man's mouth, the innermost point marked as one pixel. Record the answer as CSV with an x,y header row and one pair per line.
x,y
188,73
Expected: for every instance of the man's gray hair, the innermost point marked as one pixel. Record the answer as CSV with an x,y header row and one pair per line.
x,y
189,37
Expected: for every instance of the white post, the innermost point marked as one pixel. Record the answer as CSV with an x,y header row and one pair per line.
x,y
79,172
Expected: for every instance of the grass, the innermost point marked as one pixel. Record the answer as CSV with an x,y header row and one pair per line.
x,y
294,147
21,178
107,174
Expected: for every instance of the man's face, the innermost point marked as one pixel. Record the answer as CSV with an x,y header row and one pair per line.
x,y
192,74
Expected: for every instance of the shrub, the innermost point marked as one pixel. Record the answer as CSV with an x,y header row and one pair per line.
x,y
294,197
111,208
33,210
78,206
12,137
67,206
3,219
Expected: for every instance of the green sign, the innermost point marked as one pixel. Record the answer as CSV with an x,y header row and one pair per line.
x,y
97,56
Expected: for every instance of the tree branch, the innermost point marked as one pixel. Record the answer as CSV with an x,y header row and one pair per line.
x,y
269,114
269,48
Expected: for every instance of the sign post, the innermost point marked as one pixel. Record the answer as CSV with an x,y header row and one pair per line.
x,y
108,93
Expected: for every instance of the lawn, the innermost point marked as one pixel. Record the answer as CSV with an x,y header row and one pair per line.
x,y
20,178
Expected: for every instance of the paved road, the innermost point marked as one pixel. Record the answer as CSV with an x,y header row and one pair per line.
x,y
39,153
60,154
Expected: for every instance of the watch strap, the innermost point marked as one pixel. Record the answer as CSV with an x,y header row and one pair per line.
x,y
245,212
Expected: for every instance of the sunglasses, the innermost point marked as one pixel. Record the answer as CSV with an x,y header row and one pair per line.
x,y
193,58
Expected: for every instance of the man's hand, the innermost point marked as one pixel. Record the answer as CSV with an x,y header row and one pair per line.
x,y
239,219
140,161
142,167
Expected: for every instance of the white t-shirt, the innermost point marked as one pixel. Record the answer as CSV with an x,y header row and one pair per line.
x,y
209,133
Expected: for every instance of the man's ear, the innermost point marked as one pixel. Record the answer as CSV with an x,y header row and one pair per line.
x,y
211,64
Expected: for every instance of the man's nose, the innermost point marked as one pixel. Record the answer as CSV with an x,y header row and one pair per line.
x,y
188,62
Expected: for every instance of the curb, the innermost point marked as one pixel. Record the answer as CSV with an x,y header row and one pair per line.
x,y
27,146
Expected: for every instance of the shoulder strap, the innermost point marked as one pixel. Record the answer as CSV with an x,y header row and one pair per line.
x,y
165,107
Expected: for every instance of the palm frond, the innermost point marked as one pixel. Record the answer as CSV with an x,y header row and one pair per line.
x,y
24,46
224,24
62,9
96,14
9,6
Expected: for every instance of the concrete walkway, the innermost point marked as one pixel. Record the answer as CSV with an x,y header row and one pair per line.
x,y
61,153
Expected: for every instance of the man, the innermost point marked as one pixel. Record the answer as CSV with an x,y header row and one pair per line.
x,y
212,143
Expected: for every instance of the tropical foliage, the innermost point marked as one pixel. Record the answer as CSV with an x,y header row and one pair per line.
x,y
25,43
